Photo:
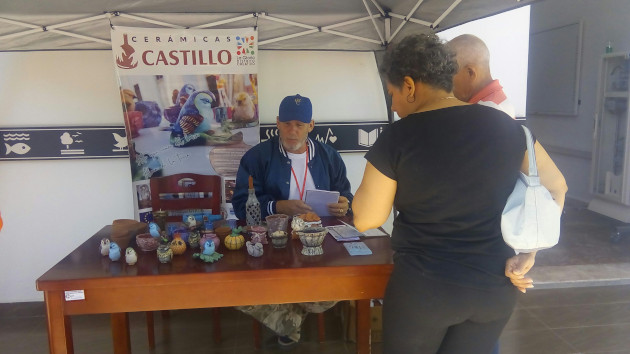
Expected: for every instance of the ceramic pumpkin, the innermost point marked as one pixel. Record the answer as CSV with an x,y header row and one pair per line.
x,y
178,245
235,240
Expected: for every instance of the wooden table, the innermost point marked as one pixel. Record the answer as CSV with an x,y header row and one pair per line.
x,y
279,276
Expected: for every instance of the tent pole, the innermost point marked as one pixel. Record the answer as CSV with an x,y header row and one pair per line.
x,y
448,11
341,34
277,39
142,19
229,20
374,22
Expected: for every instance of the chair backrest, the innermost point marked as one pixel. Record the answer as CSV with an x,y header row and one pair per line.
x,y
184,192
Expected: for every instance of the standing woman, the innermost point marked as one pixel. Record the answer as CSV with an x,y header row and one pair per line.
x,y
448,167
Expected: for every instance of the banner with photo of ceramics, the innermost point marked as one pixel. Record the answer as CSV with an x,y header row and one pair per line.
x,y
190,103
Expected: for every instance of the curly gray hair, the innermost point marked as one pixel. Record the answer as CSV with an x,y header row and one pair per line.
x,y
423,57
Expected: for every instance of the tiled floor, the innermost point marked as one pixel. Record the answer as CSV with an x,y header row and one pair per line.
x,y
571,311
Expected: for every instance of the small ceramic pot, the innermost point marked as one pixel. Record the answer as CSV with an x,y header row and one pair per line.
x,y
279,239
147,243
258,233
210,236
164,253
193,239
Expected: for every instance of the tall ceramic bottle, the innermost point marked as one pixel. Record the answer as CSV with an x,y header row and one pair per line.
x,y
252,206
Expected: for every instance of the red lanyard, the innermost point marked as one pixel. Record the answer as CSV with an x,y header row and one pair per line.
x,y
297,184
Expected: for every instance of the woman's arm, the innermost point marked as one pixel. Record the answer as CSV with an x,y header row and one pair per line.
x,y
374,199
550,175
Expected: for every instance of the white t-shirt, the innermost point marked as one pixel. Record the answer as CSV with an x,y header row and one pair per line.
x,y
298,162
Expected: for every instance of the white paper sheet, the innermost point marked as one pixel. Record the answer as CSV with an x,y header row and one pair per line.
x,y
319,200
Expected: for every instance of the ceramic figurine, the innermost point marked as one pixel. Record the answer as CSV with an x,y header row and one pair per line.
x,y
208,254
178,245
194,238
234,241
130,256
164,253
114,251
212,237
156,232
190,221
254,249
104,247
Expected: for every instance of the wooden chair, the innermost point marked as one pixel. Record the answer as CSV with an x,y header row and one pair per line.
x,y
186,191
179,193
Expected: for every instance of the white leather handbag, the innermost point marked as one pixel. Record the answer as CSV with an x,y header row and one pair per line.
x,y
531,218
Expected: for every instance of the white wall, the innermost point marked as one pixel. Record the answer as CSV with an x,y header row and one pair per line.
x,y
569,138
50,207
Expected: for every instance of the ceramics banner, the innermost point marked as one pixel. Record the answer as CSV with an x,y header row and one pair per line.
x,y
190,103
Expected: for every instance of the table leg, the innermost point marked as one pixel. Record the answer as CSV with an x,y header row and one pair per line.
x,y
120,333
59,325
363,327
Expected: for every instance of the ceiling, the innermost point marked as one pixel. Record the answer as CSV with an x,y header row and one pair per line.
x,y
281,24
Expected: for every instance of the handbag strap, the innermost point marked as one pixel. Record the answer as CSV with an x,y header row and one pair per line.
x,y
533,170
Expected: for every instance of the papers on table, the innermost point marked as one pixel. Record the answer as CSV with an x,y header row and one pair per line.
x,y
319,200
344,232
374,232
357,248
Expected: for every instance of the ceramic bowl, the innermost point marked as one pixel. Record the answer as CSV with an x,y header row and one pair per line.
x,y
279,239
146,242
312,236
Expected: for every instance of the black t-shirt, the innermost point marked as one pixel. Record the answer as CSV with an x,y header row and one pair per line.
x,y
455,168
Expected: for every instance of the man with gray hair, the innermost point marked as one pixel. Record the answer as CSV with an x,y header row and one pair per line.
x,y
473,83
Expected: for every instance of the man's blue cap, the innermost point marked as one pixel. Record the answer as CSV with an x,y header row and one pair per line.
x,y
295,108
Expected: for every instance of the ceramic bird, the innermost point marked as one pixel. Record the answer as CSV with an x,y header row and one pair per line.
x,y
254,249
154,229
208,255
244,110
104,247
179,98
196,115
114,251
156,232
196,124
208,247
131,257
190,221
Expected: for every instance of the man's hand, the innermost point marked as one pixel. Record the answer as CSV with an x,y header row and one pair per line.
x,y
516,268
340,208
292,207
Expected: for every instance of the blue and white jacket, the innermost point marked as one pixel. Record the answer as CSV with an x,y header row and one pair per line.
x,y
270,167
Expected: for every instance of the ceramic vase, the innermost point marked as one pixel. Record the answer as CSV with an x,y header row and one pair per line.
x,y
210,236
194,238
164,253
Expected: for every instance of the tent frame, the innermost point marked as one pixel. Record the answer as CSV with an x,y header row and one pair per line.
x,y
386,16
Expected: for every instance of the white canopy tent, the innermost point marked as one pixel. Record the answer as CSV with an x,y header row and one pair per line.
x,y
282,24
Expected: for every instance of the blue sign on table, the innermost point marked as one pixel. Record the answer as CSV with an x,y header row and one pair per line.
x,y
63,143
344,137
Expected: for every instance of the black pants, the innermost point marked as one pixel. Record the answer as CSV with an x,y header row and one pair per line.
x,y
424,316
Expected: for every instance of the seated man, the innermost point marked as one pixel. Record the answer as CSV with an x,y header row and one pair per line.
x,y
286,165
283,168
